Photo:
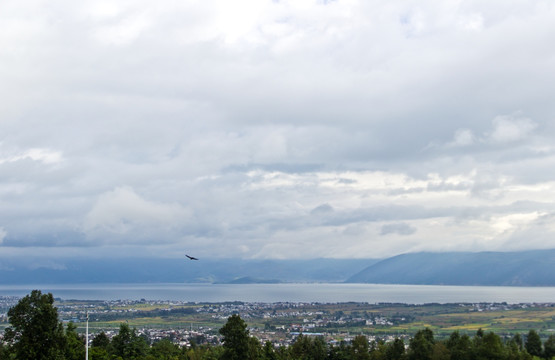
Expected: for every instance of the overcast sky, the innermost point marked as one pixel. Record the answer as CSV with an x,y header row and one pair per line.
x,y
273,129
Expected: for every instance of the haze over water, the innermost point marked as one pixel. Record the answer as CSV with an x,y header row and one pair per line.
x,y
269,293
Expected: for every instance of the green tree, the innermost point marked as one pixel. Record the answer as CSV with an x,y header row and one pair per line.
x,y
35,331
268,351
164,350
440,352
319,348
99,347
549,347
490,348
282,353
235,338
75,344
395,350
421,346
203,352
359,348
306,348
379,350
127,344
255,349
512,352
518,341
533,343
101,340
97,353
460,346
4,351
339,352
301,348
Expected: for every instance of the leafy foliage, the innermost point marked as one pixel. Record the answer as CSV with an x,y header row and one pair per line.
x,y
533,343
35,331
128,345
235,338
75,344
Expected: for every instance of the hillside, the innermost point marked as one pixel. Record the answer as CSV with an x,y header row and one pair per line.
x,y
528,268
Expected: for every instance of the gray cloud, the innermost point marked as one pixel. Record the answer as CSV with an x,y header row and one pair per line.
x,y
397,228
147,127
322,209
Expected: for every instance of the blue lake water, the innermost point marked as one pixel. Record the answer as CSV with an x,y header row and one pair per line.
x,y
269,293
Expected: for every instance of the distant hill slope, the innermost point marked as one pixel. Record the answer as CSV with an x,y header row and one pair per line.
x,y
527,268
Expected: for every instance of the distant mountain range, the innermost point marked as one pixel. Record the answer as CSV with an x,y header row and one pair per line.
x,y
527,268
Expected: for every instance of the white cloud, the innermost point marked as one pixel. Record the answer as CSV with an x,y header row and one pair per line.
x,y
510,129
472,22
505,224
537,232
123,212
229,122
103,10
124,32
45,156
463,137
505,129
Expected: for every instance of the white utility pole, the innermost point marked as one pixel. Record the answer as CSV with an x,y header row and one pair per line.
x,y
87,339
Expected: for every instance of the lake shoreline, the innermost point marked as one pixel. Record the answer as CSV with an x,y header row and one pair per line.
x,y
289,292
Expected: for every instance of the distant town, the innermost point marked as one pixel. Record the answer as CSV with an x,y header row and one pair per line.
x,y
188,323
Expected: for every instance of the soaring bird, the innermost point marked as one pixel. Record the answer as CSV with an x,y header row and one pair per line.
x,y
191,258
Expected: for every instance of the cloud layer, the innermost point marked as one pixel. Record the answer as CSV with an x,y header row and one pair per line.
x,y
275,128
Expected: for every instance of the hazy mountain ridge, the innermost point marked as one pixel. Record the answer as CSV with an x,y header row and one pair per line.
x,y
527,268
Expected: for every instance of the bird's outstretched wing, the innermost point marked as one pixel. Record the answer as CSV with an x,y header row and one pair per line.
x,y
191,257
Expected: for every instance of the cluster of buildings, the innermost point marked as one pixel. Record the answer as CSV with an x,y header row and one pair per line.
x,y
283,321
6,302
280,323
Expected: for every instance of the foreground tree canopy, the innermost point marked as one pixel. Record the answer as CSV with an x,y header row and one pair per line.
x,y
35,332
